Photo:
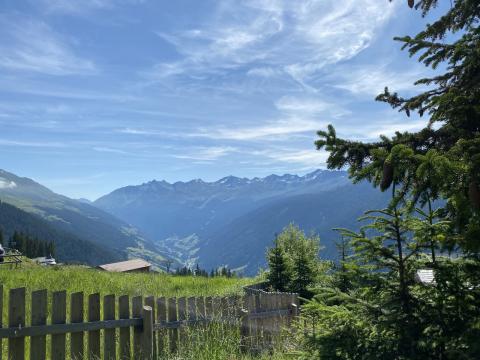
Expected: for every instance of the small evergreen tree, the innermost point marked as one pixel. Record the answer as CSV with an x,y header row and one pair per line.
x,y
298,254
279,275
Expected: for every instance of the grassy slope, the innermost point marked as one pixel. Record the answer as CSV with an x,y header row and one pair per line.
x,y
76,278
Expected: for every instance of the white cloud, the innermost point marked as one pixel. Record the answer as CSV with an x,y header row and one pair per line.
x,y
109,150
309,158
206,153
47,144
370,81
295,38
273,130
31,45
263,72
7,184
297,105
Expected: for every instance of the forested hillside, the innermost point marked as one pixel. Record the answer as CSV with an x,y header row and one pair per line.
x,y
109,237
68,247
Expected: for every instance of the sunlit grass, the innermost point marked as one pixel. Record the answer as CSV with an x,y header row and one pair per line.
x,y
213,342
90,281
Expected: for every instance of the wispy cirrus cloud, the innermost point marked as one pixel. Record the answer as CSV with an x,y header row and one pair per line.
x,y
28,44
211,153
109,150
296,39
33,144
370,81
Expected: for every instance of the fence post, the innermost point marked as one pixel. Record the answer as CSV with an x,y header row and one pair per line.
x,y
59,316
201,308
244,322
16,318
137,305
182,316
150,301
124,313
76,316
94,336
172,316
109,345
161,334
147,333
38,347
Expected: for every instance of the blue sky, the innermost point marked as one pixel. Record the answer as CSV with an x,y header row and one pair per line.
x,y
98,94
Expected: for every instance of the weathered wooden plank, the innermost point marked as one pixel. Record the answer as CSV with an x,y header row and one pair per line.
x,y
109,345
217,307
137,306
245,322
257,322
76,316
172,316
192,308
161,334
59,316
94,335
201,307
38,349
150,301
262,321
16,319
147,333
208,307
182,315
124,313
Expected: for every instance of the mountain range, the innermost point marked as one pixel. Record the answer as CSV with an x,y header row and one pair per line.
x,y
98,236
231,222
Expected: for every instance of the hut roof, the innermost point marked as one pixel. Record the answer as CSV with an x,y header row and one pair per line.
x,y
128,265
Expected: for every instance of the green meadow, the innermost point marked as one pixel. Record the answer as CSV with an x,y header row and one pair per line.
x,y
212,343
90,281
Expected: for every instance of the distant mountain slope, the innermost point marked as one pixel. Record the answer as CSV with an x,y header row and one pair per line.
x,y
232,220
69,248
242,243
85,221
163,210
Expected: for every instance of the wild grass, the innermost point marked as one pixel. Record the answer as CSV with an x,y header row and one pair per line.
x,y
212,342
90,281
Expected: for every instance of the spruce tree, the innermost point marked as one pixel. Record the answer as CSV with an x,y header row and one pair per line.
x,y
279,275
452,130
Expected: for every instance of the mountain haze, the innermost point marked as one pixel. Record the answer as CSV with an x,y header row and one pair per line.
x,y
78,219
231,221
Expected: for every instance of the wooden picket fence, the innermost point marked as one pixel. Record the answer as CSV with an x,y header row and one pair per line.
x,y
148,327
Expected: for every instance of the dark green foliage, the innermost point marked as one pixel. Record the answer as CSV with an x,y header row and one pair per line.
x,y
220,272
381,312
68,247
294,265
31,247
279,275
449,145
